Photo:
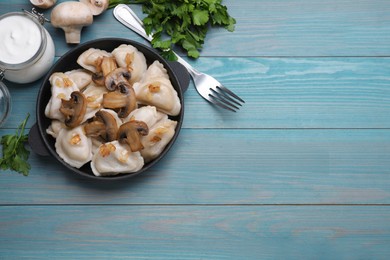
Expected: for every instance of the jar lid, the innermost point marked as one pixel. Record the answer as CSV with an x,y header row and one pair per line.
x,y
5,103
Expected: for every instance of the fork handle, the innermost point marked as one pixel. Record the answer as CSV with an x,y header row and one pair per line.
x,y
127,17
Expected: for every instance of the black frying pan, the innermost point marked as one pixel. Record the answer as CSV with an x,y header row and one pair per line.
x,y
43,144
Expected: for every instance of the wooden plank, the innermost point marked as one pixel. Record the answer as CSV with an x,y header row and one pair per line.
x,y
194,232
279,93
217,166
272,28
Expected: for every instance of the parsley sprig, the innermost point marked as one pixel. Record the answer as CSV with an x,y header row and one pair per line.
x,y
15,154
181,22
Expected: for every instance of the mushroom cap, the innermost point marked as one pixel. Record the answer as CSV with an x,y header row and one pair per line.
x,y
71,13
130,133
104,125
123,100
117,76
97,6
74,109
44,4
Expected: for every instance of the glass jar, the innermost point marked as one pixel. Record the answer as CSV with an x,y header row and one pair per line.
x,y
26,48
5,103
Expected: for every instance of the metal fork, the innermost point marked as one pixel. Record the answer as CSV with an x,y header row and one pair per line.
x,y
207,86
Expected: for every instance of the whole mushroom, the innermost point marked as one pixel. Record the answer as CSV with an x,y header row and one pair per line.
x,y
97,6
71,16
44,4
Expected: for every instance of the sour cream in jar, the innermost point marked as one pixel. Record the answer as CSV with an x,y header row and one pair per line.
x,y
26,48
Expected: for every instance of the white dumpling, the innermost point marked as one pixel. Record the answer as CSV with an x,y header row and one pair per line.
x,y
147,114
73,146
89,59
156,89
94,95
61,88
160,134
55,127
81,77
156,70
113,158
127,56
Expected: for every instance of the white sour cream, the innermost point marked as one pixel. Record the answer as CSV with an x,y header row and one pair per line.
x,y
20,39
26,48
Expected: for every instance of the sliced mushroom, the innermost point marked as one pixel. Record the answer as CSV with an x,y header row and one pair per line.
x,y
74,109
98,78
103,125
123,100
119,75
104,66
130,133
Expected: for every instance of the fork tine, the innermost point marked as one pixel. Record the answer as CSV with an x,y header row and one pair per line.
x,y
215,102
230,93
222,103
220,92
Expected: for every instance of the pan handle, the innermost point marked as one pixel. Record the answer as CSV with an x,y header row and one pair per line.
x,y
35,141
182,74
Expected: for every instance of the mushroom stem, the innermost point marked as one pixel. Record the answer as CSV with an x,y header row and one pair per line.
x,y
72,34
108,65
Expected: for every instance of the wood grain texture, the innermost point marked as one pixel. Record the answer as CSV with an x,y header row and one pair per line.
x,y
279,93
203,232
272,28
214,166
300,172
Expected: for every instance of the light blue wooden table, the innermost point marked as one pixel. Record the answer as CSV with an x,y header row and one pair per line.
x,y
301,172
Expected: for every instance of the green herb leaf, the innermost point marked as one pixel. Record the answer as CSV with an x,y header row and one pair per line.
x,y
15,154
200,17
183,22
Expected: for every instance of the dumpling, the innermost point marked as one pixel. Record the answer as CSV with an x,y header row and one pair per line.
x,y
113,158
55,127
156,70
148,114
160,134
81,77
94,95
91,59
127,56
73,146
61,88
156,89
